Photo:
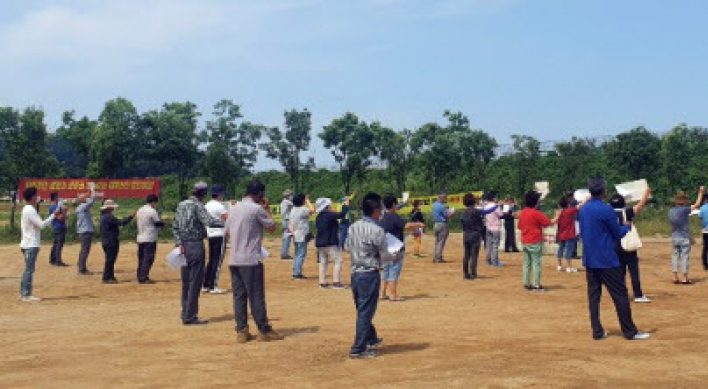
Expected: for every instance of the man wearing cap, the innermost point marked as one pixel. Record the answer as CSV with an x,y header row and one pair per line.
x,y
189,227
148,221
217,210
327,240
110,238
285,207
600,233
440,217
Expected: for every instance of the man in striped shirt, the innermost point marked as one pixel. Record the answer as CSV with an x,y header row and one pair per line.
x,y
367,245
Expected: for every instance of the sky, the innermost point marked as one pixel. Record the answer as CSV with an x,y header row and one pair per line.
x,y
551,69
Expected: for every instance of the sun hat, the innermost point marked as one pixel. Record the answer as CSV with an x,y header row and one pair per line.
x,y
322,203
109,203
287,193
681,199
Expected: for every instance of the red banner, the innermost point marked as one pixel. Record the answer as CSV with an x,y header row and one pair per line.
x,y
70,188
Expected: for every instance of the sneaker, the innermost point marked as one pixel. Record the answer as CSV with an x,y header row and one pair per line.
x,y
368,354
205,290
196,322
538,289
377,345
110,282
286,258
499,264
299,277
243,336
643,299
268,336
85,273
601,337
528,287
339,285
641,336
571,270
324,286
560,268
30,299
216,290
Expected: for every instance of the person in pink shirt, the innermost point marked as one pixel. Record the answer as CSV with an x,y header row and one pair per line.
x,y
493,219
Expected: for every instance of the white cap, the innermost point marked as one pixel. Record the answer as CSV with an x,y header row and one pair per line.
x,y
322,203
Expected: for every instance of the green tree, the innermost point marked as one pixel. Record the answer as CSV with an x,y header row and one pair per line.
x,y
527,152
683,158
635,154
286,146
395,150
437,155
115,144
353,145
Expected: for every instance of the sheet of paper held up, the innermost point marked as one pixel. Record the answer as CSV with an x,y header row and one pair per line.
x,y
632,191
405,196
450,211
264,253
581,195
176,260
542,187
394,245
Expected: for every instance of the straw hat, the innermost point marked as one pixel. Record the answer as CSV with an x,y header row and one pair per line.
x,y
681,199
109,204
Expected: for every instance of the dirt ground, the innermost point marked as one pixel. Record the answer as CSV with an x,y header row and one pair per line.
x,y
450,333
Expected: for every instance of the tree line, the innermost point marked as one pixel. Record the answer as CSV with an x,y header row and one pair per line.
x,y
172,141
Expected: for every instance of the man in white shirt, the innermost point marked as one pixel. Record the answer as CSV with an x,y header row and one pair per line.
x,y
32,226
216,209
148,222
285,207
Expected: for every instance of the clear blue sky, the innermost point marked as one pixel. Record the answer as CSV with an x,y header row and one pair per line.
x,y
545,68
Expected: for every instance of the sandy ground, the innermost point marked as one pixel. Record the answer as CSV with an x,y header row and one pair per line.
x,y
450,333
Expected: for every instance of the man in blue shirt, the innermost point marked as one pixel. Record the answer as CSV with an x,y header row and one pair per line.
x,y
704,221
440,217
601,230
59,227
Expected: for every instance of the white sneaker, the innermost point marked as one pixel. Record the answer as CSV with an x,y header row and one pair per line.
x,y
205,290
217,291
571,270
641,336
560,268
30,299
643,299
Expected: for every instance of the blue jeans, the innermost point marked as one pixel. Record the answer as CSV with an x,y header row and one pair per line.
x,y
566,248
30,255
365,287
343,233
300,254
285,250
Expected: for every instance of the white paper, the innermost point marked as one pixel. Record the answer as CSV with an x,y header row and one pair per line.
x,y
264,253
176,260
542,187
405,196
450,211
581,195
506,208
695,212
394,245
632,191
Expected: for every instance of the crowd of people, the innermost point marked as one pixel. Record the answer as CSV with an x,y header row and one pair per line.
x,y
375,271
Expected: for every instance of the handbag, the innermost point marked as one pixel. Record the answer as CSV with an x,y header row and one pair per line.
x,y
631,242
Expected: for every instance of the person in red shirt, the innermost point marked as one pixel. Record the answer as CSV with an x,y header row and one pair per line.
x,y
567,235
531,224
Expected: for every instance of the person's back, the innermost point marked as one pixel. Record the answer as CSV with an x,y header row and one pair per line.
x,y
146,217
600,232
216,209
493,216
566,223
245,225
679,219
84,218
531,224
366,242
327,229
472,222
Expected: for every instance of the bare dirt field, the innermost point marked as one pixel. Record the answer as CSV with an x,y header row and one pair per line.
x,y
450,333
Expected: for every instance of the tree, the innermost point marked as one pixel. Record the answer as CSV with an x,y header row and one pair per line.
x,y
395,150
683,158
576,161
527,152
286,146
230,145
635,153
115,145
352,144
23,137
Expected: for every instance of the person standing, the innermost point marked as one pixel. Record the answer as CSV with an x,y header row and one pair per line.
x,y
417,217
110,238
681,234
509,210
440,216
327,240
244,227
189,228
344,225
629,259
368,247
299,227
148,221
59,227
600,232
85,229
472,227
31,225
704,221
394,224
492,215
215,235
285,207
531,224
567,237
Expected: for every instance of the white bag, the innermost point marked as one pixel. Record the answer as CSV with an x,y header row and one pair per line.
x,y
631,242
176,260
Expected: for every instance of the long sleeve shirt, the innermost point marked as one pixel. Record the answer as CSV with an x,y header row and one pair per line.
x,y
148,221
327,226
367,245
492,217
191,221
31,225
601,230
439,212
84,219
110,228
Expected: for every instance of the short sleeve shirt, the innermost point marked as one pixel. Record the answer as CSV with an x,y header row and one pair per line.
x,y
704,217
300,219
394,224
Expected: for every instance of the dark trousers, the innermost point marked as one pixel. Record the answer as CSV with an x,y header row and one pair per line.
x,y
630,262
248,284
365,287
216,256
705,252
192,278
146,257
57,246
472,245
111,252
510,240
86,239
343,233
613,280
